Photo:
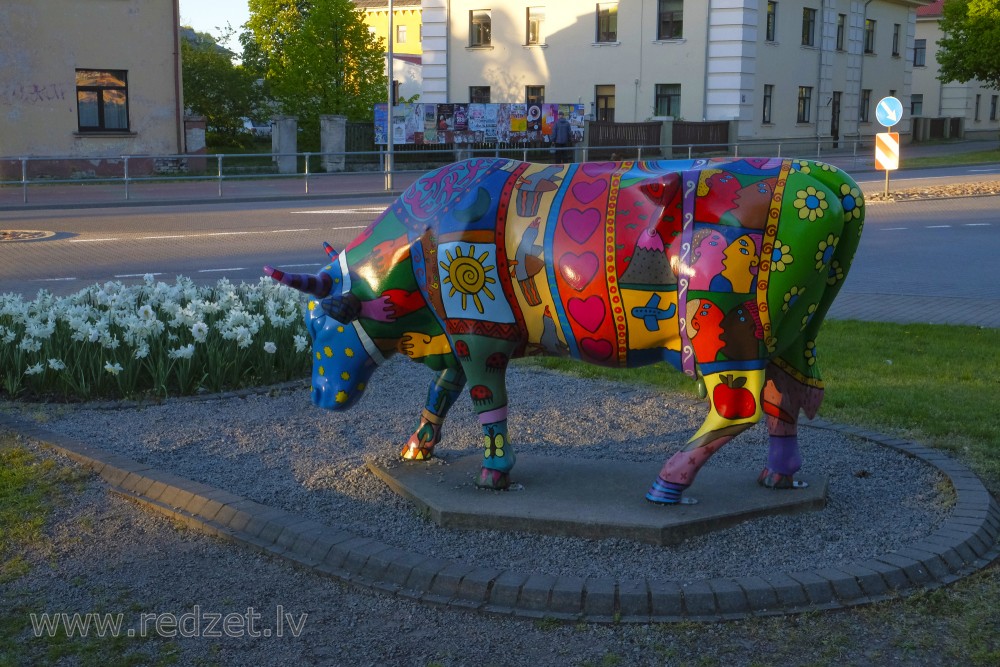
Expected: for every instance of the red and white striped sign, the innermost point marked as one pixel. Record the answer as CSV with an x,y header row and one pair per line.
x,y
887,151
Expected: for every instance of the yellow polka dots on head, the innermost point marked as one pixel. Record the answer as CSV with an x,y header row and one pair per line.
x,y
345,376
321,371
342,397
349,352
327,351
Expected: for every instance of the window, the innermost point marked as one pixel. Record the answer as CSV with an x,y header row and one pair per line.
x,y
102,100
808,26
869,36
768,96
864,110
670,19
895,39
841,30
805,103
979,98
401,34
920,53
607,22
993,106
533,29
772,17
917,104
480,27
605,99
479,94
534,94
668,100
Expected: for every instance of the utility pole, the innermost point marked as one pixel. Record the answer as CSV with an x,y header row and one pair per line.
x,y
388,134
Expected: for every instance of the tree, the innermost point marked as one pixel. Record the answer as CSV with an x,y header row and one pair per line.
x,y
317,56
970,48
217,88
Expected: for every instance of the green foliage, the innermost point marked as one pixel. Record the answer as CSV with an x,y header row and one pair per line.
x,y
970,48
317,57
219,89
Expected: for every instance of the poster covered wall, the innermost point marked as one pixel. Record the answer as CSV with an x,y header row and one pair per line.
x,y
423,124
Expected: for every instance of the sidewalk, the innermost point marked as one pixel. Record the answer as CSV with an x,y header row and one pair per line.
x,y
207,190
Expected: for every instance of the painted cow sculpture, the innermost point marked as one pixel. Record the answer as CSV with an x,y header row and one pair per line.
x,y
723,268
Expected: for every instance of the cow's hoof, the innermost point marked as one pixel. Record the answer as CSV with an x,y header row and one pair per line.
x,y
663,492
777,480
493,479
414,451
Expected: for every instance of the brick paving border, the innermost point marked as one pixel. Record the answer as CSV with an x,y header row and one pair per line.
x,y
964,543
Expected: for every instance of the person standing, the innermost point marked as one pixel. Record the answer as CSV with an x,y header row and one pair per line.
x,y
562,137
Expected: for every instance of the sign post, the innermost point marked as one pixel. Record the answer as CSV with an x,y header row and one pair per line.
x,y
889,111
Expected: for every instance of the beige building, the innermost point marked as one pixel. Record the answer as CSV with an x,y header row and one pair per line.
x,y
972,102
794,68
97,80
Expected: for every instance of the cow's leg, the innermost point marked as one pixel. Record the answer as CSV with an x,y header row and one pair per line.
x,y
486,370
784,396
733,407
442,394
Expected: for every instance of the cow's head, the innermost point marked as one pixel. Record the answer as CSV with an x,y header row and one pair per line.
x,y
344,356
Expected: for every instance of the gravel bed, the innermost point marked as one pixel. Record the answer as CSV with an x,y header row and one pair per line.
x,y
976,189
281,451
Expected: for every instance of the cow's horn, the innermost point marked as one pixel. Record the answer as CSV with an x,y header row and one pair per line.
x,y
318,285
330,252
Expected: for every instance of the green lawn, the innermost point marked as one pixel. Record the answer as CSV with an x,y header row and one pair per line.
x,y
954,159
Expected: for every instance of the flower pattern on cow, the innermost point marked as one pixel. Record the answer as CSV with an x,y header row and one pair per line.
x,y
825,250
781,256
810,352
809,315
852,201
835,274
811,203
791,296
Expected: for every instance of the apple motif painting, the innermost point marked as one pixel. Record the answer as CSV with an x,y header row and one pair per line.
x,y
732,399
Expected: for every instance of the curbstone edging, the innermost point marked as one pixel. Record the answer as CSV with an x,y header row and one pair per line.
x,y
965,542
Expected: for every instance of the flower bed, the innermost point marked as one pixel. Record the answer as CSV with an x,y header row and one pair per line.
x,y
151,339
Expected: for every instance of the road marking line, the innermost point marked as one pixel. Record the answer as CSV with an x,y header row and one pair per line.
x,y
193,236
236,268
892,229
938,226
52,280
357,227
136,275
339,210
90,240
977,224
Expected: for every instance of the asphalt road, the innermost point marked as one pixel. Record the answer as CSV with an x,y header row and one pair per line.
x,y
920,249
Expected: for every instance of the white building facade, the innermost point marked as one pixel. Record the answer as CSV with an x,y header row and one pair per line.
x,y
791,68
971,101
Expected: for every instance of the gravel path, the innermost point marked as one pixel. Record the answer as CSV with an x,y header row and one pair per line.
x,y
277,449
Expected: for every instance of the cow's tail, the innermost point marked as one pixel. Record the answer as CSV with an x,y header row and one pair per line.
x,y
799,361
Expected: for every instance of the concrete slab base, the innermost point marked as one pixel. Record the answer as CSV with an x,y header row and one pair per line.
x,y
592,499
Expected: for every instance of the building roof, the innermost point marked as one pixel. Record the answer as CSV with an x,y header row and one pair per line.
x,y
384,4
933,9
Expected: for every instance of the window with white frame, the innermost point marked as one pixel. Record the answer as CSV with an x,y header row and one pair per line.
x,y
607,22
480,27
768,98
102,100
870,35
917,104
670,19
841,30
604,98
772,18
479,94
805,104
864,109
533,26
808,26
534,94
895,39
920,53
401,34
668,100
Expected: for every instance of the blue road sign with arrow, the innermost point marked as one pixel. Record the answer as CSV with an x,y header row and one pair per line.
x,y
889,111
